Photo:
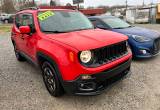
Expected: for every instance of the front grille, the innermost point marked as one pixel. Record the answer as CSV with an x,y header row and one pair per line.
x,y
109,53
156,46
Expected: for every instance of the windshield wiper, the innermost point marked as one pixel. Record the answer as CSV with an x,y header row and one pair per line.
x,y
122,27
54,31
130,26
66,31
119,28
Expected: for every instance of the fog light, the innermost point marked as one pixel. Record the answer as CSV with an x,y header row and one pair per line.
x,y
143,51
85,77
88,86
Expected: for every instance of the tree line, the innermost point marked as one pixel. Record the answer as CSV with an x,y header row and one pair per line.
x,y
11,6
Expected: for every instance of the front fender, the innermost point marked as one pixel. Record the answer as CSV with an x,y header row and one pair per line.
x,y
57,53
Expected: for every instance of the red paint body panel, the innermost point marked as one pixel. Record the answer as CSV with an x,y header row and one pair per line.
x,y
89,39
74,70
58,47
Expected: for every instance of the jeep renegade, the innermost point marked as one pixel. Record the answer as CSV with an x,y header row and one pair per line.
x,y
74,56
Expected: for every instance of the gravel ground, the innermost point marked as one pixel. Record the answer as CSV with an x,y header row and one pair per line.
x,y
22,88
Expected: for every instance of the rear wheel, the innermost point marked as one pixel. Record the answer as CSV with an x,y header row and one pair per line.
x,y
51,80
19,57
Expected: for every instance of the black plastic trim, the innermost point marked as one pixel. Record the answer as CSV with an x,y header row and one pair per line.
x,y
116,73
93,64
53,63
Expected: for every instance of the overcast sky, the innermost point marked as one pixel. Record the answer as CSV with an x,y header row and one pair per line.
x,y
108,2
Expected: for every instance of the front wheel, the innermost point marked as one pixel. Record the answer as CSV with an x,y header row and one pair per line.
x,y
51,80
6,21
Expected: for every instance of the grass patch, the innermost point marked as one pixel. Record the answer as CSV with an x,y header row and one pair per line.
x,y
5,28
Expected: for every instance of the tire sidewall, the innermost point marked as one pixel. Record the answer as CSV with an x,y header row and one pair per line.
x,y
58,90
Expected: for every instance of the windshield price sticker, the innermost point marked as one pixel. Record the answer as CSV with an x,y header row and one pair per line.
x,y
45,15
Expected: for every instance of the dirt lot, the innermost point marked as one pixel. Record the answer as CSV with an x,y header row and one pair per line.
x,y
22,88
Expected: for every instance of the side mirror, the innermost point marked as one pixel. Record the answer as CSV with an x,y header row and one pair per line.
x,y
25,29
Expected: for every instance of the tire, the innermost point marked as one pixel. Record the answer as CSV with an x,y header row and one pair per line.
x,y
51,80
6,21
19,57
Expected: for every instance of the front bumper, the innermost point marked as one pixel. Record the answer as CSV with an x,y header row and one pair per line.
x,y
150,49
149,55
98,82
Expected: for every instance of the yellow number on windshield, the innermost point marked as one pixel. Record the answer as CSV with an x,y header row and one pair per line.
x,y
45,15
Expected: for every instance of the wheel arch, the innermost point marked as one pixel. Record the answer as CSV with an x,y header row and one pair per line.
x,y
41,57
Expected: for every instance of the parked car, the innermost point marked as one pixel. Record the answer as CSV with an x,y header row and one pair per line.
x,y
3,16
144,43
73,56
8,19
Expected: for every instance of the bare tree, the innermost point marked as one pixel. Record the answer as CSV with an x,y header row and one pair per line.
x,y
26,3
43,4
1,2
52,3
7,6
33,1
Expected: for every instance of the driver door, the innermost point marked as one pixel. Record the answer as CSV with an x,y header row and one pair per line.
x,y
30,40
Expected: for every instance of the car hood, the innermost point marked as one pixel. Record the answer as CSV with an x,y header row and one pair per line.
x,y
138,31
88,39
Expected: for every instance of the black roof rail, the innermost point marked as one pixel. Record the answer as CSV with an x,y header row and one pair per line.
x,y
29,8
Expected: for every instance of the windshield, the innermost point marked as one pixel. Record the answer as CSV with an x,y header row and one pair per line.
x,y
63,21
116,23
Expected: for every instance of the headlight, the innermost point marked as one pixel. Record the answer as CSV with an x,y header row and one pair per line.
x,y
86,56
141,38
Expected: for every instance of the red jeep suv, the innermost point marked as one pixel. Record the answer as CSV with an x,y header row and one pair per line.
x,y
74,56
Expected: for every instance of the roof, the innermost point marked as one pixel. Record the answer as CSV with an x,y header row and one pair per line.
x,y
102,16
35,10
64,8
